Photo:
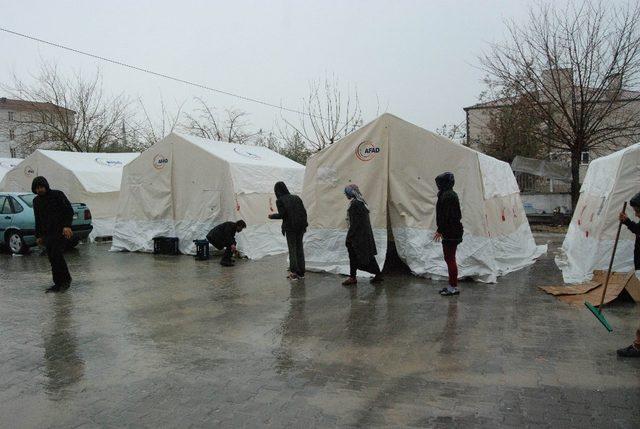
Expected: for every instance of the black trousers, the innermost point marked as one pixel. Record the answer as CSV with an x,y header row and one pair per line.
x,y
296,252
226,256
55,252
370,267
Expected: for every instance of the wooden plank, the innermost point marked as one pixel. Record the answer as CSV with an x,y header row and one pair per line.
x,y
578,289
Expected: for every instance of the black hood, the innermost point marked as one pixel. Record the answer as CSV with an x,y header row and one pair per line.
x,y
280,189
39,181
445,181
635,201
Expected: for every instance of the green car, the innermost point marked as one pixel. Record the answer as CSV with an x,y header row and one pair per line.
x,y
18,223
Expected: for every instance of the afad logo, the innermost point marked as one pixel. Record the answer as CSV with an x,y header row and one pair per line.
x,y
29,171
109,162
159,161
246,153
366,151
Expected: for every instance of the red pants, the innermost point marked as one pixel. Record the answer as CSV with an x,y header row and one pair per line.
x,y
449,250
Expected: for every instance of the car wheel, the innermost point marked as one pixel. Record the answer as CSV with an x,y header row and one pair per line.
x,y
14,241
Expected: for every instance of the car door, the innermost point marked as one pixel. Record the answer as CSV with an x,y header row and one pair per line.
x,y
6,214
22,217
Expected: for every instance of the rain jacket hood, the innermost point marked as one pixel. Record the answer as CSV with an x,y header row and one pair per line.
x,y
281,189
635,201
445,181
39,181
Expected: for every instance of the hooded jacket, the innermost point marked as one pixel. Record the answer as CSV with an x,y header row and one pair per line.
x,y
223,235
634,227
448,214
290,209
52,211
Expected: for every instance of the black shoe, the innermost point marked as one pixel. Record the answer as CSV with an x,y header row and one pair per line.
x,y
227,263
377,279
64,287
450,292
630,352
54,288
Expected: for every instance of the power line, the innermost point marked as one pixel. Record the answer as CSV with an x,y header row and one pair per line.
x,y
157,74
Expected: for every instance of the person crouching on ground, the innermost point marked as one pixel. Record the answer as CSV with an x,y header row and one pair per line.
x,y
223,236
449,228
294,224
634,349
54,215
360,242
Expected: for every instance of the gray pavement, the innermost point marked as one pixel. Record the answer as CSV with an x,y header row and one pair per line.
x,y
157,341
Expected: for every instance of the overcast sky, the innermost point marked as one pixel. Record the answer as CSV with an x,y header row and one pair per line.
x,y
419,58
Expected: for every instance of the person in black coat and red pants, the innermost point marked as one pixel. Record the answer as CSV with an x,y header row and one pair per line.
x,y
634,349
53,215
450,230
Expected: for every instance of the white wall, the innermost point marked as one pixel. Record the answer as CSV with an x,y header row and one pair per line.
x,y
546,202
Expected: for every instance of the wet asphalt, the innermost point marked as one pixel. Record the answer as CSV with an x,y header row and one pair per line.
x,y
166,341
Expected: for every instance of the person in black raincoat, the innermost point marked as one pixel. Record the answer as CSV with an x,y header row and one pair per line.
x,y
223,236
449,228
360,242
634,349
294,224
53,215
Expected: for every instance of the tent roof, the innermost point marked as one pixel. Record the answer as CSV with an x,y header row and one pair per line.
x,y
97,172
601,174
241,153
7,164
497,177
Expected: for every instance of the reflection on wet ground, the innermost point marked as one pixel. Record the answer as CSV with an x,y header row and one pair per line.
x,y
143,340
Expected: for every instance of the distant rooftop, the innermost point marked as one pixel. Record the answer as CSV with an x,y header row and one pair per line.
x,y
624,95
10,104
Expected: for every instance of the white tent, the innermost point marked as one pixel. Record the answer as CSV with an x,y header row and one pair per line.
x,y
395,164
183,186
8,164
609,182
90,178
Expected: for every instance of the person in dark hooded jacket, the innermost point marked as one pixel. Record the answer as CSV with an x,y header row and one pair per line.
x,y
634,349
449,228
294,224
53,215
360,242
223,236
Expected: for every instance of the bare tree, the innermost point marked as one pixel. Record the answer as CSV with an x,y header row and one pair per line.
x,y
455,132
575,69
71,114
150,131
328,114
205,122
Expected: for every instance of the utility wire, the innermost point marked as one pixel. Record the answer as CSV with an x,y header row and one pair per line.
x,y
162,75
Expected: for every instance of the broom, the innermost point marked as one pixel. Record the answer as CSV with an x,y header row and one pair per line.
x,y
597,311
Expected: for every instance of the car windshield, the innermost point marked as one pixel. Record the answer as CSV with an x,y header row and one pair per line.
x,y
28,199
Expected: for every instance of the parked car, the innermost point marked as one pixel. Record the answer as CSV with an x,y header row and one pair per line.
x,y
18,224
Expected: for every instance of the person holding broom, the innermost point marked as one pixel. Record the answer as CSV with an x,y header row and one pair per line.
x,y
449,228
634,349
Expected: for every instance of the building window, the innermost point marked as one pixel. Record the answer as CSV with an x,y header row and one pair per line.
x,y
584,158
12,116
12,135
